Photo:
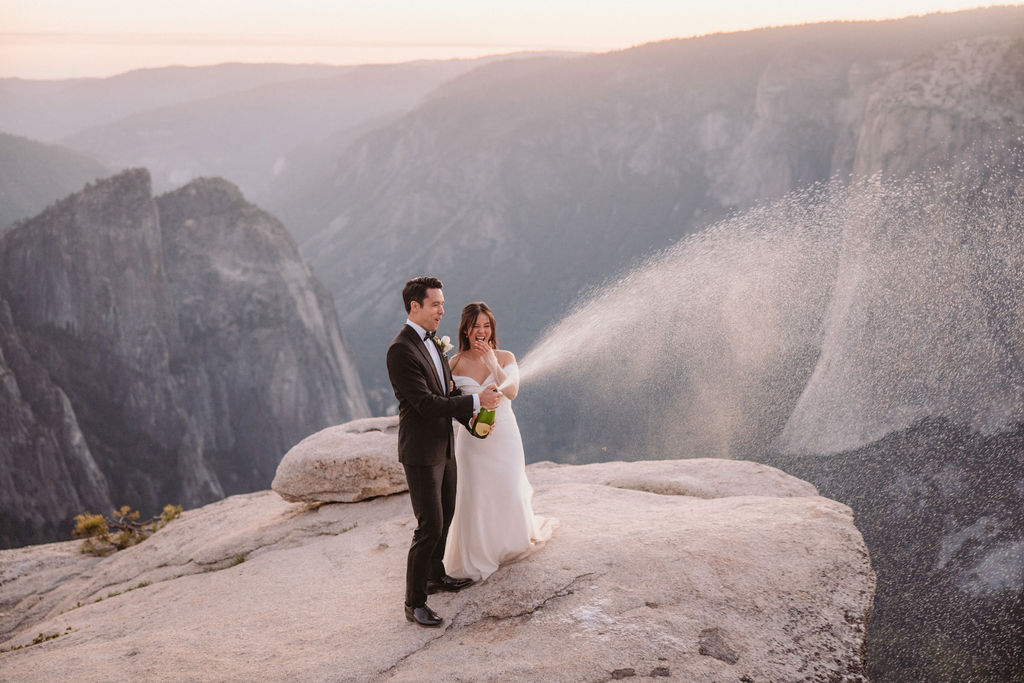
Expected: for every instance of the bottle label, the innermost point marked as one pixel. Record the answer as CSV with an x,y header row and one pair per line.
x,y
482,424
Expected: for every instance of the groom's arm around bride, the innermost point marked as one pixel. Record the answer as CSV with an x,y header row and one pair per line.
x,y
421,404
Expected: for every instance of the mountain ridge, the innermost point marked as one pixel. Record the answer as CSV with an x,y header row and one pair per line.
x,y
111,321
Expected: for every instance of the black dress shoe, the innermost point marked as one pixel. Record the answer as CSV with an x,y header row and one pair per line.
x,y
423,615
447,583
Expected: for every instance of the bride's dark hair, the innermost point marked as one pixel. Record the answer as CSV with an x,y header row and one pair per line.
x,y
469,316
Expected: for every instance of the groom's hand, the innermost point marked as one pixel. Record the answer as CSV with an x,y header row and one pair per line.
x,y
490,397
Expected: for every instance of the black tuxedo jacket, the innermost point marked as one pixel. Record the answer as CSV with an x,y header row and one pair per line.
x,y
425,412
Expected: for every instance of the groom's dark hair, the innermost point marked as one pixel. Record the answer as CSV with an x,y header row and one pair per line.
x,y
416,290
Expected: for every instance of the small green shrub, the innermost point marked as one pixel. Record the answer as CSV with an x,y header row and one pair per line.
x,y
104,535
41,638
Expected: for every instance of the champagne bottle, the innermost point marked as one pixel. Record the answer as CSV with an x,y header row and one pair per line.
x,y
482,423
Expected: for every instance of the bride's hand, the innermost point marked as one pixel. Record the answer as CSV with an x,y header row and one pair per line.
x,y
487,355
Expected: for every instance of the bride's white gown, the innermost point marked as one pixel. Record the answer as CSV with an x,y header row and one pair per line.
x,y
494,521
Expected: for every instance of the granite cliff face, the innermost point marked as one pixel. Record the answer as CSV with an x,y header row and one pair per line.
x,y
103,292
264,359
939,507
948,344
47,472
958,102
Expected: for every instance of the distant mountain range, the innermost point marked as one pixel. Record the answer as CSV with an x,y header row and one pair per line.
x,y
250,123
53,109
248,135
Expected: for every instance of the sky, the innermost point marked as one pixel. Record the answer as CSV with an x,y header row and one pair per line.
x,y
47,39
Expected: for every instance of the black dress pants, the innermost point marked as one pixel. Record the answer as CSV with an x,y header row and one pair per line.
x,y
432,492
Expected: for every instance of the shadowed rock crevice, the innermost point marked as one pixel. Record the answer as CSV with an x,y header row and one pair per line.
x,y
714,643
440,633
537,605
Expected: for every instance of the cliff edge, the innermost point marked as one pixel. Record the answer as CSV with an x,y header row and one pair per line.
x,y
687,569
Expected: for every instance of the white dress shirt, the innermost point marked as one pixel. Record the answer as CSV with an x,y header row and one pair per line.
x,y
435,354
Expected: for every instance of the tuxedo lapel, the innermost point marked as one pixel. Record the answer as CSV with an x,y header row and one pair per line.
x,y
421,348
447,372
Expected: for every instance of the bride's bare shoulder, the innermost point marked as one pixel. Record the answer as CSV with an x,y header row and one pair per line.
x,y
454,360
505,357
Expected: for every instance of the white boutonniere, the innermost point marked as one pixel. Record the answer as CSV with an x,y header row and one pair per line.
x,y
444,344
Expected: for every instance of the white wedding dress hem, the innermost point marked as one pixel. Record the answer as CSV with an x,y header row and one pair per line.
x,y
494,522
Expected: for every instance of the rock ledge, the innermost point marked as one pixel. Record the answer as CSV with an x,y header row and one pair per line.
x,y
724,585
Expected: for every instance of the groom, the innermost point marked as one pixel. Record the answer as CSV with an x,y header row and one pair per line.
x,y
423,386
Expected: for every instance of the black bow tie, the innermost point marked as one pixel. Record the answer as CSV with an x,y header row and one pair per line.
x,y
430,335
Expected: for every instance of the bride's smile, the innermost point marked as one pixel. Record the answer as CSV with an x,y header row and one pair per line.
x,y
480,356
480,333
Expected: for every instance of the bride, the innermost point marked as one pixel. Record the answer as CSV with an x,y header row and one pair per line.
x,y
494,521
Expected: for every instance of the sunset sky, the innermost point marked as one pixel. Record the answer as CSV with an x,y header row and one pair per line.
x,y
68,38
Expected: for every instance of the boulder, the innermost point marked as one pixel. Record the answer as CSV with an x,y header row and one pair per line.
x,y
343,464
